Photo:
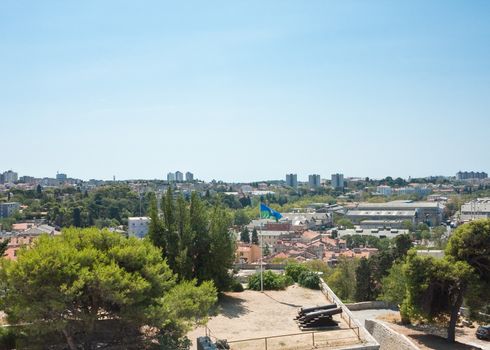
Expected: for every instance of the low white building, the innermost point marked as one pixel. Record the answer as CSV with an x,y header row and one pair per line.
x,y
384,190
476,209
138,226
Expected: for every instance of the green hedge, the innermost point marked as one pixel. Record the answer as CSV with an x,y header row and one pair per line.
x,y
294,270
309,279
272,281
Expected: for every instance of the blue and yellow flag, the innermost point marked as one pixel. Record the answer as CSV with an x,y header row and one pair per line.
x,y
268,213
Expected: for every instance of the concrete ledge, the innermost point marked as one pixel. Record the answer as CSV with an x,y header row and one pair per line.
x,y
369,342
367,305
387,337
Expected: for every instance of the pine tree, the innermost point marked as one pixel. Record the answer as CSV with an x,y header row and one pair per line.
x,y
172,241
255,237
245,235
156,230
184,260
3,246
364,287
222,247
200,231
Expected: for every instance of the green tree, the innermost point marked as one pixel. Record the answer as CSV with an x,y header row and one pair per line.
x,y
403,243
435,288
39,191
172,243
295,269
364,284
156,229
309,279
255,237
345,223
184,259
271,281
222,248
437,236
245,235
241,218
76,217
88,280
470,243
3,246
394,285
266,250
343,279
407,225
199,224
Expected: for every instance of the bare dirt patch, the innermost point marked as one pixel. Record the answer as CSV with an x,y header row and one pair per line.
x,y
251,315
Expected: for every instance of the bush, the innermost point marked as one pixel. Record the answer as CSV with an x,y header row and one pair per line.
x,y
309,279
272,281
236,286
293,270
7,338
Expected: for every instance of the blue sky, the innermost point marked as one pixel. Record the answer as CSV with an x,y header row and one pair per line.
x,y
244,90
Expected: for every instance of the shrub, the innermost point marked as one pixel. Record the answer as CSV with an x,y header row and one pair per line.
x,y
309,279
293,270
272,281
7,338
236,286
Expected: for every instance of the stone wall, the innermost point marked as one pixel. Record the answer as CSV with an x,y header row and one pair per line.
x,y
388,338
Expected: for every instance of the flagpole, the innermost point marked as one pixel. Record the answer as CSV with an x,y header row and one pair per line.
x,y
261,254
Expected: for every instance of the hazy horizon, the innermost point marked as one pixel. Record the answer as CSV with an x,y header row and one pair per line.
x,y
243,92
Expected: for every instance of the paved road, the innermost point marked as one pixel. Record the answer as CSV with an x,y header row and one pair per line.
x,y
363,315
468,338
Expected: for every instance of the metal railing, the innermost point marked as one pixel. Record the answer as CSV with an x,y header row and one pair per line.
x,y
346,315
304,340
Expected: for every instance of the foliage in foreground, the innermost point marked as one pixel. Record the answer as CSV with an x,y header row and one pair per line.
x,y
295,269
272,281
435,289
303,275
86,284
309,279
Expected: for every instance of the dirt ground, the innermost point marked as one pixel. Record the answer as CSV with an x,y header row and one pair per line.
x,y
252,314
428,337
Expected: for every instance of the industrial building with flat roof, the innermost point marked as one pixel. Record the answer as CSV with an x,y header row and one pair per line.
x,y
476,209
416,212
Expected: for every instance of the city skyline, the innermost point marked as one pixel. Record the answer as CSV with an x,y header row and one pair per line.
x,y
244,91
303,178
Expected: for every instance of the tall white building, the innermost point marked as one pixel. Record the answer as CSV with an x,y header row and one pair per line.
x,y
10,176
138,226
292,180
338,181
189,177
179,176
61,177
170,177
314,180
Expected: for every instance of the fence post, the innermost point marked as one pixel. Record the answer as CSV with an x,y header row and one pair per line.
x,y
265,343
313,337
349,322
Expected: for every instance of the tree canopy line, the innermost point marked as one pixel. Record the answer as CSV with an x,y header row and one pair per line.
x,y
89,288
94,289
362,279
